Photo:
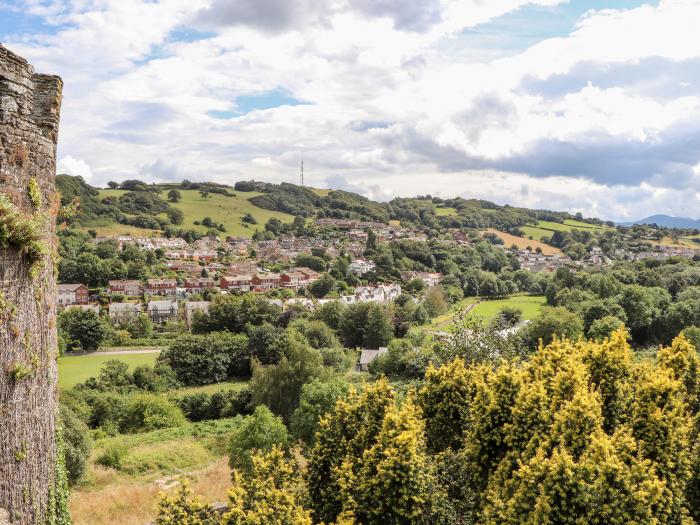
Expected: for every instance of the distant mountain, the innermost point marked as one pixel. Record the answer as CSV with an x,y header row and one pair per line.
x,y
666,221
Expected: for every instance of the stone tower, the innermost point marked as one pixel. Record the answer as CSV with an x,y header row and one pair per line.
x,y
32,489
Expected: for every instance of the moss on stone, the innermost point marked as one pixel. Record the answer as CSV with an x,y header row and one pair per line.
x,y
20,371
34,193
22,232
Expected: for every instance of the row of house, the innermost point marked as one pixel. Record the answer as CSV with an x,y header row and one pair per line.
x,y
260,282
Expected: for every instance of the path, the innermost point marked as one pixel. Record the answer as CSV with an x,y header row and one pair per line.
x,y
141,350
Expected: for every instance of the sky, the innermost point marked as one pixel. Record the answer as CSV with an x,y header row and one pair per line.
x,y
581,105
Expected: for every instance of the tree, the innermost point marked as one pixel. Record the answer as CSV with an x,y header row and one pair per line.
x,y
77,444
83,329
554,321
258,432
279,385
365,325
112,185
322,286
33,490
204,359
204,193
147,412
317,399
268,493
185,509
176,216
602,328
174,196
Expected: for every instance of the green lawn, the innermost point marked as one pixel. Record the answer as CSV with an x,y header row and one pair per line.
x,y
530,305
78,368
221,209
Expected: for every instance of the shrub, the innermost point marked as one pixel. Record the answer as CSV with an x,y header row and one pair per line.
x,y
112,455
77,444
259,432
146,412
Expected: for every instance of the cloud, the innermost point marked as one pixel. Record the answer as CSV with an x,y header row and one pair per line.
x,y
71,166
395,100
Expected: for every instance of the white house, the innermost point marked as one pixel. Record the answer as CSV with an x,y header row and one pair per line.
x,y
361,266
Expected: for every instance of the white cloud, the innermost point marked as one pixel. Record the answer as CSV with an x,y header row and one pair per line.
x,y
393,104
71,166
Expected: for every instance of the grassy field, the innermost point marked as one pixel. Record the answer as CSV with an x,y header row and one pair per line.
x,y
545,229
210,389
221,209
151,462
521,242
78,368
530,305
445,212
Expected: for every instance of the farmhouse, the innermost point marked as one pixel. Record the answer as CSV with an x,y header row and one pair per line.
x,y
72,294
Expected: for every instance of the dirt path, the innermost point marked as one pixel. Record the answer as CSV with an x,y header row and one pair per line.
x,y
121,351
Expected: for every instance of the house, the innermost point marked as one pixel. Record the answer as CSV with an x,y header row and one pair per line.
x,y
125,287
72,294
298,277
265,281
361,266
94,308
383,294
428,278
162,311
161,286
123,312
192,307
198,285
236,282
367,356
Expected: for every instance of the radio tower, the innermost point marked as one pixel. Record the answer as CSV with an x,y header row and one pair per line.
x,y
302,173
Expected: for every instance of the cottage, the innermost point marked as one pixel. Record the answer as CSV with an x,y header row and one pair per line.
x,y
192,307
198,285
236,282
72,294
162,286
123,312
125,287
162,311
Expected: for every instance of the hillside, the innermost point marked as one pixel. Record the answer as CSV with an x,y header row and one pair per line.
x,y
667,221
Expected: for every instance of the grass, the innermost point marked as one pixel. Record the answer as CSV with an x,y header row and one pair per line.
x,y
521,242
530,305
237,386
536,234
445,212
228,211
129,495
74,369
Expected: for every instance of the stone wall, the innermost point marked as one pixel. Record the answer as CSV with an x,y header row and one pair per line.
x,y
29,116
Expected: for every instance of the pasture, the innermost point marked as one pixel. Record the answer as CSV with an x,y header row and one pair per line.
x,y
522,243
74,369
228,211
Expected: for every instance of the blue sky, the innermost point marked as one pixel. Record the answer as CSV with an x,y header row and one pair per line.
x,y
586,106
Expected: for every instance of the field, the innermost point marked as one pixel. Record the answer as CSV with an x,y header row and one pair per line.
x,y
530,305
522,243
221,209
75,369
545,229
445,212
150,463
